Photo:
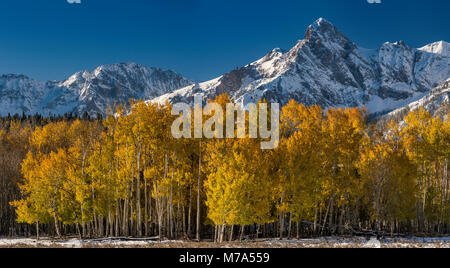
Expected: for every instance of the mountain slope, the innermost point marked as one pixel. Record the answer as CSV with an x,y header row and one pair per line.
x,y
328,69
93,92
437,103
441,47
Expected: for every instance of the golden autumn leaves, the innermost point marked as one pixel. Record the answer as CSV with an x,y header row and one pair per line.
x,y
129,176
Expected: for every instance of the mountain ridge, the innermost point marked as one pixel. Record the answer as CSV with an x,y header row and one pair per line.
x,y
324,68
328,69
86,91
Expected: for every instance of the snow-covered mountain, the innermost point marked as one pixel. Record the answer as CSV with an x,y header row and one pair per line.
x,y
442,48
328,69
437,103
93,92
324,68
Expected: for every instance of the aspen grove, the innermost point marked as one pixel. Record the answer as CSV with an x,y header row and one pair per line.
x,y
126,176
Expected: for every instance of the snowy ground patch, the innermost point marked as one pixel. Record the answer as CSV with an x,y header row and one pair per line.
x,y
326,242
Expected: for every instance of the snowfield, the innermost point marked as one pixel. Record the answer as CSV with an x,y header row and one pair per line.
x,y
327,242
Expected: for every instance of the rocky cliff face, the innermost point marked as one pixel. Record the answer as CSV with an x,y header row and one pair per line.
x,y
328,69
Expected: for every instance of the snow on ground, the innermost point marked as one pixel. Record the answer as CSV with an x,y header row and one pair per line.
x,y
76,243
333,242
326,242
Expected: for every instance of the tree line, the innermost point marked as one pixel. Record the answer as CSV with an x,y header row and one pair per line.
x,y
333,173
15,131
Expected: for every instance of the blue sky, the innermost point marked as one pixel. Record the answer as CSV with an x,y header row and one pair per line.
x,y
201,39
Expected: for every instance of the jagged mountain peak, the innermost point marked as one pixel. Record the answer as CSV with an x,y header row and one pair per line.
x,y
441,47
328,69
321,24
395,45
322,36
322,29
124,66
